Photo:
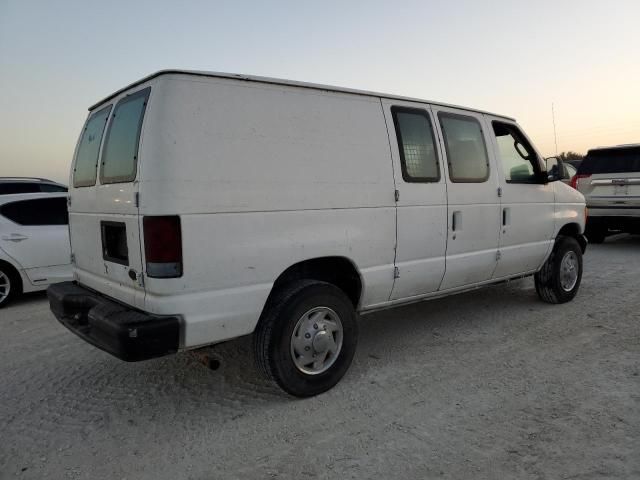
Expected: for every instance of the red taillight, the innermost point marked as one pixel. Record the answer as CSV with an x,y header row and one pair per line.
x,y
575,178
163,246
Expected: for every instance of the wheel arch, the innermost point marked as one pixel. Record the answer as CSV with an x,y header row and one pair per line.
x,y
574,230
337,270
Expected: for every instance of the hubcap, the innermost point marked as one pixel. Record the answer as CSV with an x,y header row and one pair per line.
x,y
5,286
316,340
569,271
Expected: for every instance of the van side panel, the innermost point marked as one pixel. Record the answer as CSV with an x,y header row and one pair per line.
x,y
263,176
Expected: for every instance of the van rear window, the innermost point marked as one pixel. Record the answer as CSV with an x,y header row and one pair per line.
x,y
86,166
120,152
611,160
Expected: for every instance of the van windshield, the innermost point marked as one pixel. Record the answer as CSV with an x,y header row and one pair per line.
x,y
120,153
611,160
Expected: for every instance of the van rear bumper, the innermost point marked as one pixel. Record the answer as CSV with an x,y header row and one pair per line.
x,y
122,331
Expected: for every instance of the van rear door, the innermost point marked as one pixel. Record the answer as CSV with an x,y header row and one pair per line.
x,y
103,213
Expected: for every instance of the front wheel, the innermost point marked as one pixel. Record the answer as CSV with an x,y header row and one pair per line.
x,y
307,337
559,278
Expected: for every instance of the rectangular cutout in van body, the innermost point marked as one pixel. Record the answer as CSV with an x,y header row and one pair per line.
x,y
114,242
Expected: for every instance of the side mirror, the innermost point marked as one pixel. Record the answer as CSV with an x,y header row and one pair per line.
x,y
555,169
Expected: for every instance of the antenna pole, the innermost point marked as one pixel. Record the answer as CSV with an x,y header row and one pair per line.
x,y
555,136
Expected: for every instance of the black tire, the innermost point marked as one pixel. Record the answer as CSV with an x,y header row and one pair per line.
x,y
272,338
15,286
548,279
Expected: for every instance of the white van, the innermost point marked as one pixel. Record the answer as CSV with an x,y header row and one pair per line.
x,y
207,206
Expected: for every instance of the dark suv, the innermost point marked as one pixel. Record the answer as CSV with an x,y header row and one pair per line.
x,y
609,179
9,185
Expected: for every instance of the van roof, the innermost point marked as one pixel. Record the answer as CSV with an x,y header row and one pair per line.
x,y
293,83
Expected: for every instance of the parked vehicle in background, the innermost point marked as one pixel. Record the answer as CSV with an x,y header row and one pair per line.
x,y
568,173
574,163
12,185
34,243
223,205
609,178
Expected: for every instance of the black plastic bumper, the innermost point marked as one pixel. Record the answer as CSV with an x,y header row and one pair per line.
x,y
126,333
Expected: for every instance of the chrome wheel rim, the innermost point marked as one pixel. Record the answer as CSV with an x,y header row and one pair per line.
x,y
5,286
569,271
316,340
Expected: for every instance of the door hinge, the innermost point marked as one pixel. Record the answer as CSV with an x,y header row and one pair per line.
x,y
141,280
396,272
72,257
499,191
137,199
397,195
498,255
68,201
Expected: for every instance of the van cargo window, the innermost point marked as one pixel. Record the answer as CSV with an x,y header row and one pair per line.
x,y
466,150
86,164
120,153
416,144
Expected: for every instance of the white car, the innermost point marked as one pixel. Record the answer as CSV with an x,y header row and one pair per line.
x,y
208,206
34,243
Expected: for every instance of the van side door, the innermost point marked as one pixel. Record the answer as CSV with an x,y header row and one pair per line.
x,y
472,194
527,201
421,199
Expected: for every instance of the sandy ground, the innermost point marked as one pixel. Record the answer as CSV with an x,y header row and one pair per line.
x,y
489,384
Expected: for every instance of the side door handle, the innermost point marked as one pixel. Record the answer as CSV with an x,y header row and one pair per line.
x,y
456,221
14,237
506,216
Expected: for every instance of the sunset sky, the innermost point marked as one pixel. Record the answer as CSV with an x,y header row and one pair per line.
x,y
510,57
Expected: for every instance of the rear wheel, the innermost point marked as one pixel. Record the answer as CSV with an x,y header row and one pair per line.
x,y
559,278
9,285
306,338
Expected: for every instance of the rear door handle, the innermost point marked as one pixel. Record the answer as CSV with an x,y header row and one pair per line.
x,y
14,237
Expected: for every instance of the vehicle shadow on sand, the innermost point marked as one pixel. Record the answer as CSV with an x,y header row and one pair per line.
x,y
619,240
183,382
180,387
